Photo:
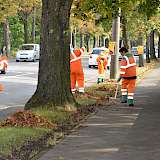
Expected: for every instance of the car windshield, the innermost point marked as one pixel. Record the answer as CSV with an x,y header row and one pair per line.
x,y
97,51
27,47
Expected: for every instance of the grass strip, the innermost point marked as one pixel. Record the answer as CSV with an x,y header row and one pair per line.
x,y
14,137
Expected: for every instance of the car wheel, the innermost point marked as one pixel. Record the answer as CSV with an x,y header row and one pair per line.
x,y
34,59
17,60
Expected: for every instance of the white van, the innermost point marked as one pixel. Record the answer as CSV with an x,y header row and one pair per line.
x,y
28,52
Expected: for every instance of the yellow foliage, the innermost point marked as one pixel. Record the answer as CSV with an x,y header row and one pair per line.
x,y
11,7
8,8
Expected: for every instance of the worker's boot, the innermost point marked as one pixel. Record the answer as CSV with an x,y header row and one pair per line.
x,y
124,99
99,80
130,102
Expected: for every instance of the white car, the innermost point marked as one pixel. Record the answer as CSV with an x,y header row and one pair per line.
x,y
28,52
93,56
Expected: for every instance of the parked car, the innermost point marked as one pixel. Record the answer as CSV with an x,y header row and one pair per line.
x,y
3,64
28,52
134,51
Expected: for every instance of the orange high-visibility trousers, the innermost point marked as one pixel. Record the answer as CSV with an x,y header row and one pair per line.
x,y
79,79
77,76
128,87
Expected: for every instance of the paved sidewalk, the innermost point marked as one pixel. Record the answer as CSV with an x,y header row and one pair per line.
x,y
118,132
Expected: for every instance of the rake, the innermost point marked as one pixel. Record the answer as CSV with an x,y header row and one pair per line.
x,y
116,92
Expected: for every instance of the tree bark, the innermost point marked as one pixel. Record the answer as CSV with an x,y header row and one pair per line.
x,y
94,41
26,28
152,48
34,25
87,41
147,50
81,39
53,88
102,41
107,42
6,36
99,40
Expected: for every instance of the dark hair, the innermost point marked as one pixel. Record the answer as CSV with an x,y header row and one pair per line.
x,y
123,49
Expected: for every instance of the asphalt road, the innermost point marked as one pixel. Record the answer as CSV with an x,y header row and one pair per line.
x,y
21,80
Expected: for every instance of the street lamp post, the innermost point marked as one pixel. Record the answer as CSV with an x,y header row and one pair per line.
x,y
114,72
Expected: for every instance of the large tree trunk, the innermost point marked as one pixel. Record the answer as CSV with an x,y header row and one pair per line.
x,y
34,25
81,39
152,48
6,36
102,41
25,19
94,41
99,40
87,41
147,50
53,87
107,43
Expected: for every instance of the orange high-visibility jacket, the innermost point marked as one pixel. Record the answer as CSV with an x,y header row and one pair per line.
x,y
75,61
3,62
102,62
128,67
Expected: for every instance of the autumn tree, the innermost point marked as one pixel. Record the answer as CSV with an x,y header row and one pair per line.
x,y
25,9
149,8
8,8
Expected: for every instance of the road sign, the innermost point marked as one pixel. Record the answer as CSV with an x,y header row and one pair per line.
x,y
140,50
112,46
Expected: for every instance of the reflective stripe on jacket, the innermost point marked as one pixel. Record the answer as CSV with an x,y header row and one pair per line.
x,y
75,61
128,66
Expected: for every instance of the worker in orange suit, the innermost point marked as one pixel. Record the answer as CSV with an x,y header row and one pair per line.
x,y
128,76
76,70
102,62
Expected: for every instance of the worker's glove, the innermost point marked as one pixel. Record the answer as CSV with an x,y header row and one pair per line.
x,y
119,79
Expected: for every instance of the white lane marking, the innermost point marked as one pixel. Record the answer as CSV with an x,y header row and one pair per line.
x,y
15,79
10,106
